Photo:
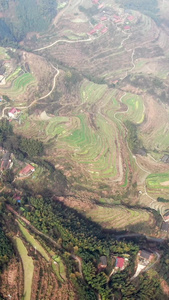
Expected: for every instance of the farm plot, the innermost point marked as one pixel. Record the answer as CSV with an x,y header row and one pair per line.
x,y
20,84
92,92
27,266
14,75
95,148
117,217
56,126
135,112
158,181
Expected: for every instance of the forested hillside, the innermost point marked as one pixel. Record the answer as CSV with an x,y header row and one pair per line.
x,y
21,16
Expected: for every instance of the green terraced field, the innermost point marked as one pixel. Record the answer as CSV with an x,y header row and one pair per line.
x,y
158,181
56,126
23,81
92,92
19,85
14,75
93,148
91,139
135,111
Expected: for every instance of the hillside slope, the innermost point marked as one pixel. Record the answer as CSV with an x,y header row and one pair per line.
x,y
19,17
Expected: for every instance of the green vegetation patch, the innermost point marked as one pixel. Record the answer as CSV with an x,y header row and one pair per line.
x,y
34,242
27,266
20,84
62,270
158,181
14,74
135,112
92,92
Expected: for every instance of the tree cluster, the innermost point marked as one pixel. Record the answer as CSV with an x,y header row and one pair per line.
x,y
22,147
28,16
134,142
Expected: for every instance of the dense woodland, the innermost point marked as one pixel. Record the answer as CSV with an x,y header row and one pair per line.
x,y
134,142
80,236
22,147
29,16
6,249
153,85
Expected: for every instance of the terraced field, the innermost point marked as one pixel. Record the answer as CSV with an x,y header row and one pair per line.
x,y
158,181
19,85
135,112
117,216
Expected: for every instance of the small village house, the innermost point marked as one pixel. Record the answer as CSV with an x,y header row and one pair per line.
x,y
120,261
28,170
145,255
13,113
103,262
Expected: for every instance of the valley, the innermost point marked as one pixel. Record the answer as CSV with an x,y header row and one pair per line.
x,y
84,107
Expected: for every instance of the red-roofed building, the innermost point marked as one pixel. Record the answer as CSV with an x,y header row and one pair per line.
x,y
99,26
130,18
105,30
103,18
127,27
101,6
120,262
118,21
95,1
28,170
13,113
92,32
116,17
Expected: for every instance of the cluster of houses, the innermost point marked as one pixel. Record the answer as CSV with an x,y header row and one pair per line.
x,y
6,163
124,20
144,259
120,263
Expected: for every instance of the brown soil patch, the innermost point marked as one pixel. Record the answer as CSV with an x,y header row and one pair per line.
x,y
150,165
12,280
165,287
166,183
154,114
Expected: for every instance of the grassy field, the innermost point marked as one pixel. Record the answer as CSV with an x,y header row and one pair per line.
x,y
33,242
61,270
27,266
